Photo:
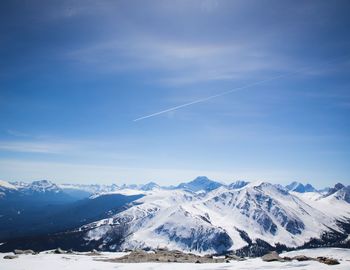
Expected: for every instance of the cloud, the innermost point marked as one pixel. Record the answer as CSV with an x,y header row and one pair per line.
x,y
105,149
17,133
34,147
180,61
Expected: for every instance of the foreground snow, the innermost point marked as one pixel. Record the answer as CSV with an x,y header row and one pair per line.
x,y
83,262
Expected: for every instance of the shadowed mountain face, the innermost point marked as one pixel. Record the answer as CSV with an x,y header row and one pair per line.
x,y
45,208
334,189
299,187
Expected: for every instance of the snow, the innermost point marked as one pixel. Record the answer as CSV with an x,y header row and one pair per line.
x,y
83,262
127,192
91,188
5,184
40,186
329,205
225,211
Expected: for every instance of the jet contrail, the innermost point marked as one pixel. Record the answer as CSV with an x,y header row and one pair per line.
x,y
224,93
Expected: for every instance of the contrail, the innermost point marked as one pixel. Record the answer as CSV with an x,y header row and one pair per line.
x,y
224,93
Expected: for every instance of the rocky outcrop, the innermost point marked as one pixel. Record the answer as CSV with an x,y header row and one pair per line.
x,y
275,257
272,257
174,256
59,251
329,261
20,251
10,257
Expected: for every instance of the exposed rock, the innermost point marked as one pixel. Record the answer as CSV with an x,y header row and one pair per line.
x,y
272,257
302,258
20,251
10,257
329,261
234,257
59,251
138,256
94,252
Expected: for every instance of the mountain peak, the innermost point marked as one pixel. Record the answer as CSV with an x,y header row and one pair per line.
x,y
238,184
149,186
337,187
299,187
40,186
200,183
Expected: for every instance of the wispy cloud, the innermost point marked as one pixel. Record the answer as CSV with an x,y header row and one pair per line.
x,y
184,61
285,75
17,133
34,147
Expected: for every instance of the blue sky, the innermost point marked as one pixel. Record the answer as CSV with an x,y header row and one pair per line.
x,y
75,74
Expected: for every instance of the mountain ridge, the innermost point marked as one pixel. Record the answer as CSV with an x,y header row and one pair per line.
x,y
202,216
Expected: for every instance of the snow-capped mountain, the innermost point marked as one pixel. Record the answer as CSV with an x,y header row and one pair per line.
x,y
149,186
6,188
238,184
36,187
334,189
299,187
201,183
222,220
6,185
92,188
202,216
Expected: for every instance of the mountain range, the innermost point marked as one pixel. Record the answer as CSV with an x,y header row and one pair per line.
x,y
200,216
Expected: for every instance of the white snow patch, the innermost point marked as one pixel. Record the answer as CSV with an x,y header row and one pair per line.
x,y
6,185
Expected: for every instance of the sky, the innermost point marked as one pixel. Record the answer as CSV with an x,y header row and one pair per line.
x,y
75,75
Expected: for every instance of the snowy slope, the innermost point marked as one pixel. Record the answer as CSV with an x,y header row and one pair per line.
x,y
266,212
6,185
6,188
335,204
164,218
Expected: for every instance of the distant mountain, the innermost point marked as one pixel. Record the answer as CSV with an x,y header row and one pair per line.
x,y
343,194
90,188
299,187
334,189
201,183
339,192
324,190
6,189
149,186
6,185
238,184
